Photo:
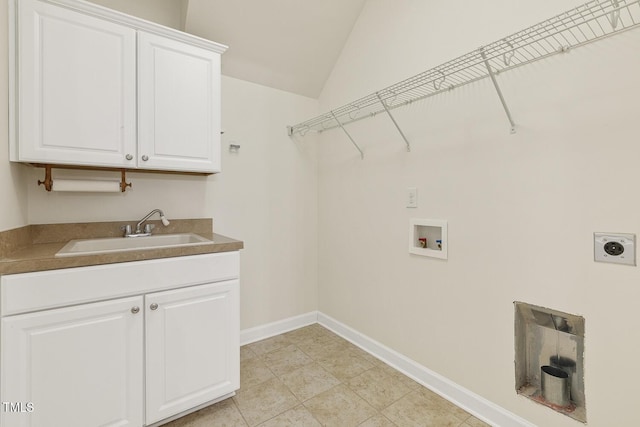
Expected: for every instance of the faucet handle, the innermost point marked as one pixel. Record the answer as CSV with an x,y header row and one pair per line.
x,y
126,229
148,228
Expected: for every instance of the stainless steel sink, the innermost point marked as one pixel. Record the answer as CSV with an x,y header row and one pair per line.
x,y
122,244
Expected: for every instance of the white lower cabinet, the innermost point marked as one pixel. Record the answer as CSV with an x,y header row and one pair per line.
x,y
183,368
77,366
132,360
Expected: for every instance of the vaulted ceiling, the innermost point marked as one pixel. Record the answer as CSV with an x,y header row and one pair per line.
x,y
285,44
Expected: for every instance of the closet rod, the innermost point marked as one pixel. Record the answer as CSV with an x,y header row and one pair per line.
x,y
584,24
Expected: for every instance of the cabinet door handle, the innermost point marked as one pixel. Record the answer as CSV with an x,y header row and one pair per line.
x,y
135,309
128,157
153,306
145,158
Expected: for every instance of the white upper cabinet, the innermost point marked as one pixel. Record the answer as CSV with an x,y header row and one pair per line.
x,y
77,82
94,87
178,105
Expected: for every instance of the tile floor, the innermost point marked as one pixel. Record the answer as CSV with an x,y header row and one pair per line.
x,y
311,377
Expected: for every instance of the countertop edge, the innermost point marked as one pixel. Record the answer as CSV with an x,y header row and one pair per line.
x,y
41,256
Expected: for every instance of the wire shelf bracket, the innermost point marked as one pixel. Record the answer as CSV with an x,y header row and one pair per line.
x,y
348,135
394,121
497,86
594,20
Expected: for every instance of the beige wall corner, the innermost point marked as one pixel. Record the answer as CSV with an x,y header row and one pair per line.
x,y
13,192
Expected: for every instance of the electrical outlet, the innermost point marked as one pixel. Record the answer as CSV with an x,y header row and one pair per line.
x,y
616,248
412,197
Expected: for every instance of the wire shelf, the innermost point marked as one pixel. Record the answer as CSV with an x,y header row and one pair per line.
x,y
592,21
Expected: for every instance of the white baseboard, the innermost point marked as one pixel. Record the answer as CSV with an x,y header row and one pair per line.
x,y
476,405
247,336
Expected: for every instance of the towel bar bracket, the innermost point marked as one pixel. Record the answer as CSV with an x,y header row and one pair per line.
x,y
48,181
48,178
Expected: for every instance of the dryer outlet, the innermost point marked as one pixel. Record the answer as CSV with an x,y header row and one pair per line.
x,y
617,248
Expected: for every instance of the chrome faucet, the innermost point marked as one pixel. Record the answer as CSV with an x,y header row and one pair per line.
x,y
146,231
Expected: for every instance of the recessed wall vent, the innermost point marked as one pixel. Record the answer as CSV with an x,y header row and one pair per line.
x,y
550,359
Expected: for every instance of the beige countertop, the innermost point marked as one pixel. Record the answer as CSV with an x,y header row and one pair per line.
x,y
33,248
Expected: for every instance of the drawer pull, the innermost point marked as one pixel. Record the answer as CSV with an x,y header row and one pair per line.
x,y
153,306
135,309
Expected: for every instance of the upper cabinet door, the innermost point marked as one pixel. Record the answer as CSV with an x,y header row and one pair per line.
x,y
178,106
76,88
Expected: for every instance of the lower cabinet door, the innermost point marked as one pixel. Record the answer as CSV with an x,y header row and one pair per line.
x,y
75,366
192,347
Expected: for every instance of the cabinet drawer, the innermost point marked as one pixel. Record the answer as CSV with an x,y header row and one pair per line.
x,y
20,293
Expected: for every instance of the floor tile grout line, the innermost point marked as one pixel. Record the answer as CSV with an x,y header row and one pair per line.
x,y
340,382
277,377
240,412
382,409
379,413
346,383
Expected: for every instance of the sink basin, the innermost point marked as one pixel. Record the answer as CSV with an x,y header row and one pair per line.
x,y
121,244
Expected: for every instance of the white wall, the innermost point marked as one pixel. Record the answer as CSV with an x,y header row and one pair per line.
x,y
13,205
165,12
521,208
266,196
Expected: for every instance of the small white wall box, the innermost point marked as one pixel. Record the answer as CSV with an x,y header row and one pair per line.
x,y
617,248
428,237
